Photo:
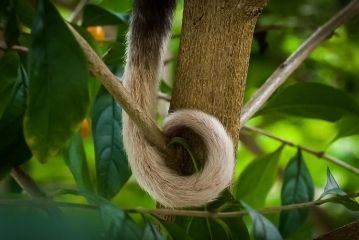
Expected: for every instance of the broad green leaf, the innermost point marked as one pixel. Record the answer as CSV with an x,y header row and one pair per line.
x,y
96,16
175,232
58,92
75,158
312,100
297,188
347,126
13,148
341,197
263,229
262,172
111,161
10,74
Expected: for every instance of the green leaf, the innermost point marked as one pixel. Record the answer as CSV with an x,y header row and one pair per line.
x,y
312,100
10,75
151,233
347,126
263,229
111,160
297,188
332,186
263,172
96,16
58,92
75,158
175,231
165,88
118,225
341,197
13,148
209,228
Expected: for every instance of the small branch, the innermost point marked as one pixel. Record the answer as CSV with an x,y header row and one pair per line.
x,y
14,47
27,183
164,97
169,60
174,212
76,14
318,154
294,60
142,119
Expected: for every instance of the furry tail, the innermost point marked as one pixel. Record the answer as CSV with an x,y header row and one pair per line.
x,y
148,35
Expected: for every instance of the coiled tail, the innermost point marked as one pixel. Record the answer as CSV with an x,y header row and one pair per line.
x,y
148,35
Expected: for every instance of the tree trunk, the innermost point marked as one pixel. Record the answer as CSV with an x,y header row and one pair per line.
x,y
213,61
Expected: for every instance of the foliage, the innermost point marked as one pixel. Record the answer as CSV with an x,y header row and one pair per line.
x,y
54,111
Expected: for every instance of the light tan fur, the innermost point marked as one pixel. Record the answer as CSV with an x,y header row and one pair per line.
x,y
147,164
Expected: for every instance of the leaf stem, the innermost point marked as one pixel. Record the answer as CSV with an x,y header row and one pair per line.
x,y
318,154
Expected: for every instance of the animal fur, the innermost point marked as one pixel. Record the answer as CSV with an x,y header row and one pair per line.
x,y
149,30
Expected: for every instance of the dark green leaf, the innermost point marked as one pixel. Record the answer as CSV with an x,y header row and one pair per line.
x,y
10,75
58,92
263,229
312,100
13,148
11,30
347,126
175,232
75,158
96,16
165,88
25,12
111,161
263,172
151,233
297,188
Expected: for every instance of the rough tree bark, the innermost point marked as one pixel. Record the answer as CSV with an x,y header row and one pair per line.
x,y
213,61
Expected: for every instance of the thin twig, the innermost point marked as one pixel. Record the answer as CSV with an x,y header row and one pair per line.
x,y
164,97
27,183
318,154
174,212
76,14
142,119
295,59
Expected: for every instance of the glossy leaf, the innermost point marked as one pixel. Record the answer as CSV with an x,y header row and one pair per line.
x,y
332,186
75,158
111,161
312,100
96,16
151,233
263,229
297,188
58,93
13,148
341,197
208,228
262,172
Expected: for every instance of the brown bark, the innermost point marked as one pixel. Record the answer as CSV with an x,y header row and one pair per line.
x,y
213,61
347,232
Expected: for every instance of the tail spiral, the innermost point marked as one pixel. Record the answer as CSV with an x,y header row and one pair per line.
x,y
149,29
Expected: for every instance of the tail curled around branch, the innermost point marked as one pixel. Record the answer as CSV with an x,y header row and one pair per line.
x,y
149,30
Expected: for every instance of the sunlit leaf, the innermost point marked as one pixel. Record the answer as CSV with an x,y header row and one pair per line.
x,y
75,158
347,126
58,92
263,229
312,100
111,160
297,188
262,172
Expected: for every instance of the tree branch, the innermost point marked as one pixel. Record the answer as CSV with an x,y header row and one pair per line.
x,y
27,183
176,212
76,14
142,119
294,60
318,154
